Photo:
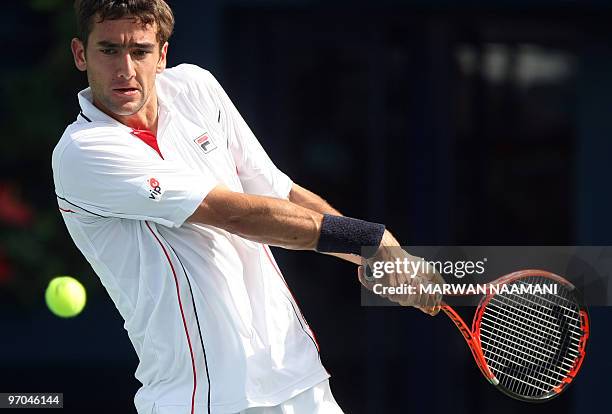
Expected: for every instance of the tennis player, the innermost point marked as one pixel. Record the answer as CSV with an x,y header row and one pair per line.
x,y
173,201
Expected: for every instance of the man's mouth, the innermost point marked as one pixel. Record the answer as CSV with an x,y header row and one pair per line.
x,y
125,91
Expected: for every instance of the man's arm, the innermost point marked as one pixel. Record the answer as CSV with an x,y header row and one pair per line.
x,y
273,221
262,219
285,224
293,224
389,250
305,198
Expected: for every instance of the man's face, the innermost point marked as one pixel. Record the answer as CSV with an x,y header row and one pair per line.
x,y
122,59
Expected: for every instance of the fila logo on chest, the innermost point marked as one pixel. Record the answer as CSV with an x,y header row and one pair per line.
x,y
205,143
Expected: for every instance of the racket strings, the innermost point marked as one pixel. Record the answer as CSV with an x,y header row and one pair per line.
x,y
519,343
542,382
548,329
530,341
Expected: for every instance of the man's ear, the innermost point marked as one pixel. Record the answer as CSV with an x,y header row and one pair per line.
x,y
161,64
78,52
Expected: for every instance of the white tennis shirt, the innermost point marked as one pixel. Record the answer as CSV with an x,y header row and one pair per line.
x,y
210,316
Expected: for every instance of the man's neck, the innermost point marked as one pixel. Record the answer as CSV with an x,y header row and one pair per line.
x,y
146,118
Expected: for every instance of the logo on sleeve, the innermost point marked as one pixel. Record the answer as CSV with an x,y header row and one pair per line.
x,y
152,189
206,143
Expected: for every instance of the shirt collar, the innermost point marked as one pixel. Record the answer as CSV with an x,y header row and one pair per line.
x,y
92,114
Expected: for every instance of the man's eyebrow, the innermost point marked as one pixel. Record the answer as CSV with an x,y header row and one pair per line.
x,y
145,45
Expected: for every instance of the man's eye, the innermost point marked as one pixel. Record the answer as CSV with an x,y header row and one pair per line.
x,y
107,51
140,53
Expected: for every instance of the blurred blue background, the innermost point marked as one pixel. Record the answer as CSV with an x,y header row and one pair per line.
x,y
453,122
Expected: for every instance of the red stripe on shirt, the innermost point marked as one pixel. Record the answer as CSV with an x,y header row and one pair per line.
x,y
178,294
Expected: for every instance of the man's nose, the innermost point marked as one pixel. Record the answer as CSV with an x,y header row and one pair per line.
x,y
126,66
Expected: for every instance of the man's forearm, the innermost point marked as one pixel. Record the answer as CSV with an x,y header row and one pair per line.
x,y
284,223
305,198
262,219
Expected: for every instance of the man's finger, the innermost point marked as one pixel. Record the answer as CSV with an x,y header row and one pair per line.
x,y
363,279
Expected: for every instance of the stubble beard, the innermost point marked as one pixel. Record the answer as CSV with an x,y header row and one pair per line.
x,y
122,109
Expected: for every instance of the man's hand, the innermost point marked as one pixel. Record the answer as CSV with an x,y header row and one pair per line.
x,y
390,251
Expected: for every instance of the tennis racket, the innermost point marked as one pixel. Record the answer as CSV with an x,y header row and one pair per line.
x,y
529,345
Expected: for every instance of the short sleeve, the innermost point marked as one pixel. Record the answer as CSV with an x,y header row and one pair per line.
x,y
257,173
108,175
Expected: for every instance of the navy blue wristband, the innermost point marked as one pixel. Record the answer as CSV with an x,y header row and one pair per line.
x,y
341,234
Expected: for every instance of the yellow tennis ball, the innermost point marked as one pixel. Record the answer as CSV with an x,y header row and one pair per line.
x,y
65,296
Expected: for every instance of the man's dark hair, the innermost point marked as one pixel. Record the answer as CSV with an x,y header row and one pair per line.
x,y
146,11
